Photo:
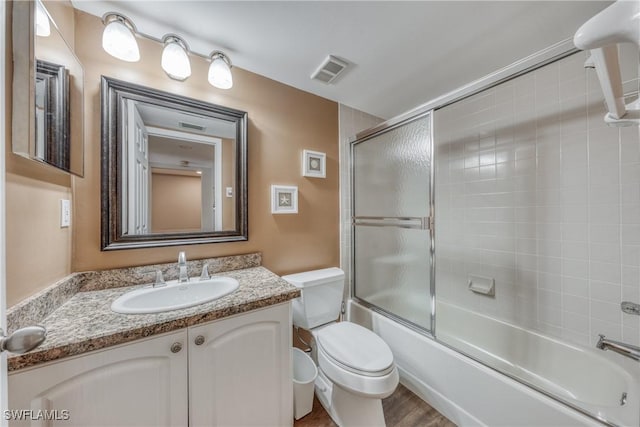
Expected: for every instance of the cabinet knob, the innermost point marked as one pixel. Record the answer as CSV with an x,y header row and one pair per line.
x,y
199,340
176,347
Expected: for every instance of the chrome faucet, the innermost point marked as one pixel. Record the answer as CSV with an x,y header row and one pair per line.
x,y
627,350
183,275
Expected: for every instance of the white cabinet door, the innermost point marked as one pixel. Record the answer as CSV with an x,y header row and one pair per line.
x,y
138,384
240,373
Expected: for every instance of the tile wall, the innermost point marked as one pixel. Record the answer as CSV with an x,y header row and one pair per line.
x,y
534,190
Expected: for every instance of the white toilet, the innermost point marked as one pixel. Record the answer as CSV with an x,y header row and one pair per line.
x,y
356,366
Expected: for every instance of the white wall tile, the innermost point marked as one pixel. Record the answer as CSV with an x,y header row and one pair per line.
x,y
577,305
606,292
606,272
606,311
631,336
575,286
630,214
605,253
630,255
575,322
577,232
630,275
568,205
575,250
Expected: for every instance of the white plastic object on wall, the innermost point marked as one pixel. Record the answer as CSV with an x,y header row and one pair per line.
x,y
482,285
619,23
65,213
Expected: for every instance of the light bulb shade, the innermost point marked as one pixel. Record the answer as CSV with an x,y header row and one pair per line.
x,y
175,60
118,39
43,27
220,71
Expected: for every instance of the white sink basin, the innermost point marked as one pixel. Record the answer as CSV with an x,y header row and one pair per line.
x,y
174,296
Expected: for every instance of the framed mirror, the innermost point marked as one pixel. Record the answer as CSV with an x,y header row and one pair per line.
x,y
53,140
174,169
47,91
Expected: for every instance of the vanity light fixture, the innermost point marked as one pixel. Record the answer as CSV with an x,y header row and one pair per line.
x,y
43,27
220,70
118,38
175,58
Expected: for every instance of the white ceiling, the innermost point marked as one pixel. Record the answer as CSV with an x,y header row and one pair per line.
x,y
168,118
171,152
403,53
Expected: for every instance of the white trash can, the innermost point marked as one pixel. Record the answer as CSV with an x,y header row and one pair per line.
x,y
304,375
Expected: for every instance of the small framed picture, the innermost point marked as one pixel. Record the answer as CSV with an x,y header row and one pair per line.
x,y
314,164
284,199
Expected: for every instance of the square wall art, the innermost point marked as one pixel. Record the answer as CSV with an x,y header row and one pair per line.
x,y
284,199
314,164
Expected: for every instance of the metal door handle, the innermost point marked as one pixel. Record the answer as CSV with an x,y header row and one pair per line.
x,y
423,223
23,340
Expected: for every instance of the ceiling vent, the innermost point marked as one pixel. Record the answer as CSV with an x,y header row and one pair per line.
x,y
191,126
329,70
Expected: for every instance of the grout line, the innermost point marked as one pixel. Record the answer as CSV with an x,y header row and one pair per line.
x,y
620,224
588,272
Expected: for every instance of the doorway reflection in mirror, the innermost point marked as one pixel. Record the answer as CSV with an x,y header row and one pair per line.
x,y
177,165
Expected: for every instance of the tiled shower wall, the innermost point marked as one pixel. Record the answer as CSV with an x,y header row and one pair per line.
x,y
351,121
534,190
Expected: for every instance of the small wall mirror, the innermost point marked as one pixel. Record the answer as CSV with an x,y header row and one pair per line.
x,y
173,169
47,91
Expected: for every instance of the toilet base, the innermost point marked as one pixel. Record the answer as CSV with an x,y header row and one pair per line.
x,y
348,409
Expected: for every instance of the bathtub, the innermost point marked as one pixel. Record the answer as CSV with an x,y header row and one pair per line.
x,y
470,393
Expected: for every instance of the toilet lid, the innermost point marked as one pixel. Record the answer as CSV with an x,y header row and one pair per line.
x,y
355,347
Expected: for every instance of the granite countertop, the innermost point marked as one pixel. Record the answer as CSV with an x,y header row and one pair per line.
x,y
85,322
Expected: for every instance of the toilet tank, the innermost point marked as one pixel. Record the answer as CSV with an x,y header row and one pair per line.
x,y
321,298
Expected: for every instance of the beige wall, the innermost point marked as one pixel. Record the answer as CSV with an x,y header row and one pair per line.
x,y
176,202
38,250
63,15
282,122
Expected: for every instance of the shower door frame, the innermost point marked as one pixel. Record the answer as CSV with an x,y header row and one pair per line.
x,y
544,57
552,54
361,138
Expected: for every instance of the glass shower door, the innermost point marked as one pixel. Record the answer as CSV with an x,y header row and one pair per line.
x,y
391,208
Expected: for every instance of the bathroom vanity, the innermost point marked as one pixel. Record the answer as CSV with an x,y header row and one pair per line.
x,y
226,362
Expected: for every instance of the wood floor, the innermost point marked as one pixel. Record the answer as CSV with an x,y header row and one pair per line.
x,y
401,409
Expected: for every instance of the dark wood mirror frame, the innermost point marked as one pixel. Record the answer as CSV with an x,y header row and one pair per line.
x,y
114,93
55,132
64,126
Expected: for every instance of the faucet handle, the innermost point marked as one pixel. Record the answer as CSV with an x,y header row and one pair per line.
x,y
182,258
205,272
630,307
159,279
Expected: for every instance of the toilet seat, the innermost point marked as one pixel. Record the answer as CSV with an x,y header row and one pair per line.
x,y
356,349
356,359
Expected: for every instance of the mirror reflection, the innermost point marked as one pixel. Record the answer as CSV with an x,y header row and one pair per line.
x,y
180,171
173,168
52,114
58,140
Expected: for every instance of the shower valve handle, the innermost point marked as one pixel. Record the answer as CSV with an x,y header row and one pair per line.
x,y
630,307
